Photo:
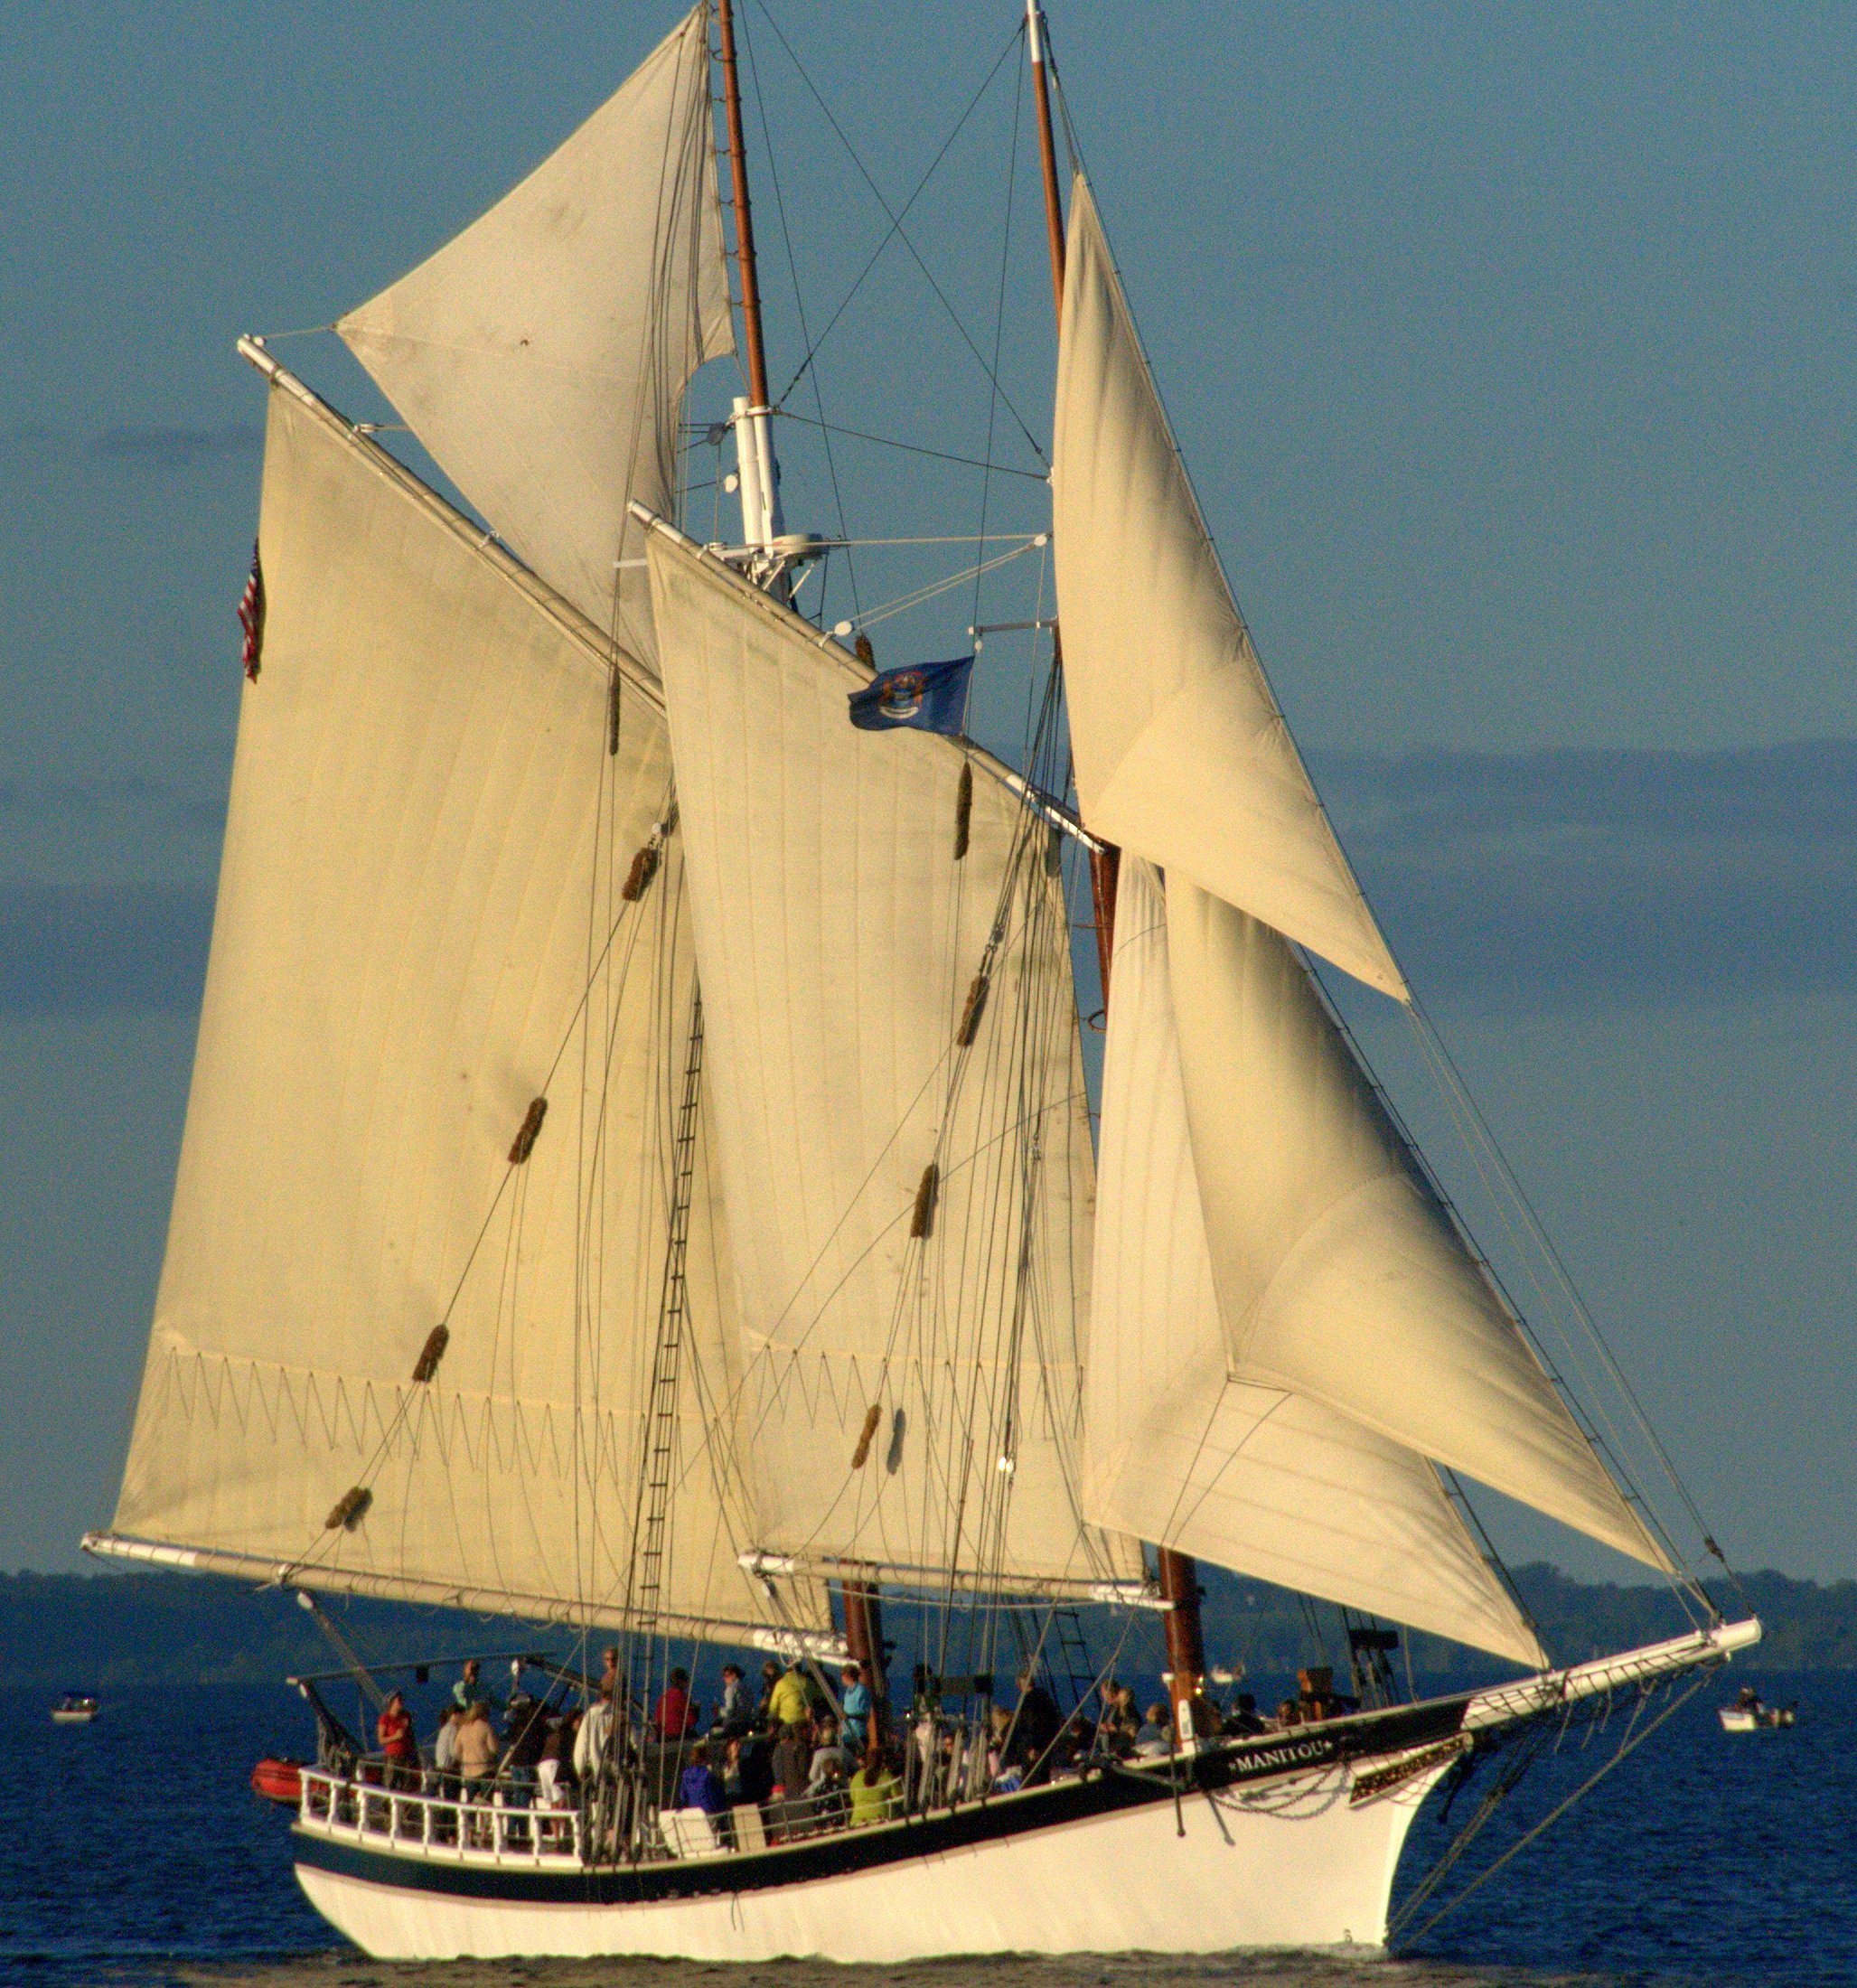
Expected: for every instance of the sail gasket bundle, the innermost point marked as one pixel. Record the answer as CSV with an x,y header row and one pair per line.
x,y
528,1132
922,1216
970,1013
430,1355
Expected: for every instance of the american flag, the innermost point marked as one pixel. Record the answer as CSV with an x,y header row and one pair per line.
x,y
251,616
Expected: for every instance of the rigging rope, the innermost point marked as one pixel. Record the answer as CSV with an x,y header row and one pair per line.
x,y
780,210
999,319
1475,1123
897,231
1627,1746
922,595
916,448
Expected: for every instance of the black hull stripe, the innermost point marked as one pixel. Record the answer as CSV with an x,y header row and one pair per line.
x,y
850,1850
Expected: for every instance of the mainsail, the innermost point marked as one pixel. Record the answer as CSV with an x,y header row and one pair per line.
x,y
1182,754
541,355
895,1044
422,929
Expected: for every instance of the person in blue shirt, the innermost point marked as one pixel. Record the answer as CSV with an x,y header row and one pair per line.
x,y
700,1785
858,1730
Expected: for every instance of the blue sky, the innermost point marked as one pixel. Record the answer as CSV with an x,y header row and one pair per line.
x,y
1510,350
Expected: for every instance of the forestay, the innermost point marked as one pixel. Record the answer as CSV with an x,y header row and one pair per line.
x,y
840,938
420,930
1182,754
541,356
1259,1479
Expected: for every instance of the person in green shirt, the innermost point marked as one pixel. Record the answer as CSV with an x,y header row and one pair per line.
x,y
876,1797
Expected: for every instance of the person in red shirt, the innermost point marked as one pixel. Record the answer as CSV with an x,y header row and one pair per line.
x,y
675,1715
399,1749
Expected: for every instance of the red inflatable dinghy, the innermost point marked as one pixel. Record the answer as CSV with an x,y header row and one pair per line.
x,y
279,1781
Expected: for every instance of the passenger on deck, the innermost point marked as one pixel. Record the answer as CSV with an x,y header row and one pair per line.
x,y
526,1732
826,1770
999,1726
1154,1736
476,1744
1242,1719
553,1769
399,1751
592,1741
1037,1723
609,1674
468,1688
732,1715
444,1749
764,1707
753,1766
877,1795
860,1731
1117,1728
675,1715
792,1759
791,1701
700,1785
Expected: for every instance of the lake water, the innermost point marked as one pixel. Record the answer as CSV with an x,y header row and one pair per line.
x,y
132,1856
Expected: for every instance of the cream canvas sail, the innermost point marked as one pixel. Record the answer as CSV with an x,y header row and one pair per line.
x,y
542,354
1259,1479
840,939
1338,1274
420,931
1182,754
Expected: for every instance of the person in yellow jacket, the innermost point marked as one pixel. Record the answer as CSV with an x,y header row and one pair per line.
x,y
791,1703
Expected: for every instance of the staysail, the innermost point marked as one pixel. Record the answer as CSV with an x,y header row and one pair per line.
x,y
1339,1272
1268,1482
1339,1277
1182,754
901,1113
541,355
422,933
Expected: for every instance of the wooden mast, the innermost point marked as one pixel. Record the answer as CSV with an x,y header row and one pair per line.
x,y
1105,861
1178,1577
744,218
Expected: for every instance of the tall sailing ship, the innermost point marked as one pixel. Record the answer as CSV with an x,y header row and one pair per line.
x,y
640,1175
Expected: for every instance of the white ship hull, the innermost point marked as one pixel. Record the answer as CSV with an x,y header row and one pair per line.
x,y
1296,1864
1290,1840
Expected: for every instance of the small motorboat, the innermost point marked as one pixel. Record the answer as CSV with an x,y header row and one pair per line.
x,y
75,1709
1748,1713
279,1781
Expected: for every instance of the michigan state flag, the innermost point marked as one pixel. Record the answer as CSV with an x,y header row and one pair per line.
x,y
931,696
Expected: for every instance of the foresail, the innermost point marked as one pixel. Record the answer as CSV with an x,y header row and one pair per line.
x,y
908,1210
1182,754
1339,1273
1267,1482
421,934
542,354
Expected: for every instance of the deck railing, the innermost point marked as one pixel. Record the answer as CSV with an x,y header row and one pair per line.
x,y
497,1824
501,1823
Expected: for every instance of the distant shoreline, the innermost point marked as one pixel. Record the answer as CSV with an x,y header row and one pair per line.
x,y
144,1630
